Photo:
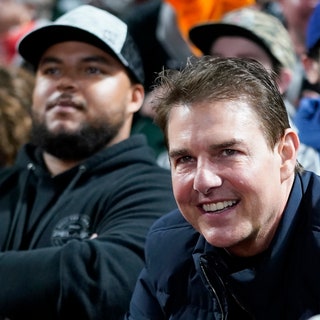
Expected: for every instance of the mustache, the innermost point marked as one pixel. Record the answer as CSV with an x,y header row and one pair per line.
x,y
65,100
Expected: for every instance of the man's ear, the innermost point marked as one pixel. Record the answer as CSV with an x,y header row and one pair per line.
x,y
312,69
288,149
136,98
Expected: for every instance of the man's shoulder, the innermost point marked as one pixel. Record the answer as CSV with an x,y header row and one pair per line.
x,y
310,181
172,231
169,248
309,206
171,221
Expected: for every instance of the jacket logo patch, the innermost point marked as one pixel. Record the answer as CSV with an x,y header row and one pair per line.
x,y
75,226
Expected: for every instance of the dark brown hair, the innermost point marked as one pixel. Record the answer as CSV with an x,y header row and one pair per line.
x,y
215,79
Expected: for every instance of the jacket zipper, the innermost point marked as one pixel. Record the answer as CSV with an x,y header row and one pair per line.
x,y
213,290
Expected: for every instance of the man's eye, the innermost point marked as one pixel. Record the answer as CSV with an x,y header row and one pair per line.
x,y
51,71
185,159
229,152
93,70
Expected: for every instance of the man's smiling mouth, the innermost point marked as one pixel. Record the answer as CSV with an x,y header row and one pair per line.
x,y
219,206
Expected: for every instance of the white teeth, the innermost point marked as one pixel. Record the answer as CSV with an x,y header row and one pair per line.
x,y
218,206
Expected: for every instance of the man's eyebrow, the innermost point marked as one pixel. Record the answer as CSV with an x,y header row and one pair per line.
x,y
49,59
226,144
216,146
98,59
178,153
95,58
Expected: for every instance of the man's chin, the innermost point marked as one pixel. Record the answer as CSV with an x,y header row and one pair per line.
x,y
63,128
70,143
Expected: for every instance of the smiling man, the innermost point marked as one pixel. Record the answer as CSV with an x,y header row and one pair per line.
x,y
244,243
76,206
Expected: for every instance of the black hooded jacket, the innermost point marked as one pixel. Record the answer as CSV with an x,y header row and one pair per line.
x,y
49,266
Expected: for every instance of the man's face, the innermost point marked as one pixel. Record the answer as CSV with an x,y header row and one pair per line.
x,y
228,182
82,102
240,47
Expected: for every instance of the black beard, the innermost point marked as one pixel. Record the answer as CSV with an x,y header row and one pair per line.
x,y
74,146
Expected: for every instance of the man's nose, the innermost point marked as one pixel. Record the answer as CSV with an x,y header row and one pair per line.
x,y
67,81
206,177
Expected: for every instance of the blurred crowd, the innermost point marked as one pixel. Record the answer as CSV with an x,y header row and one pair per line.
x,y
161,30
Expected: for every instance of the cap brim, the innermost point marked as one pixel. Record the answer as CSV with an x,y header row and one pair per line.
x,y
203,35
34,44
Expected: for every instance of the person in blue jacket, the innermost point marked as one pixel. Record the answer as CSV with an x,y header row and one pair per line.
x,y
76,206
244,242
308,113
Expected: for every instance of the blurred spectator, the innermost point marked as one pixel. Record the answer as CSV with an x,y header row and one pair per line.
x,y
296,15
17,17
16,85
295,18
250,33
308,114
310,59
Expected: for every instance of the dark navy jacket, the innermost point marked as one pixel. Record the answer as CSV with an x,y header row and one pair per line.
x,y
186,278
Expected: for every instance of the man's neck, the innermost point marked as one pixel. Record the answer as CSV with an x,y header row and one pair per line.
x,y
56,165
